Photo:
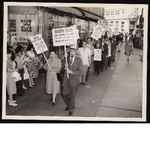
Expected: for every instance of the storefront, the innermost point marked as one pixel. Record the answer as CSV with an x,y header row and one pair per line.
x,y
25,22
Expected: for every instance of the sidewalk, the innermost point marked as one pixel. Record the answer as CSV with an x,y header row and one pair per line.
x,y
113,93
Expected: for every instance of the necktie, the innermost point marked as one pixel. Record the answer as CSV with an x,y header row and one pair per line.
x,y
71,59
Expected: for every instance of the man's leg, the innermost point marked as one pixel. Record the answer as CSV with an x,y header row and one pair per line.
x,y
98,66
66,95
73,92
85,68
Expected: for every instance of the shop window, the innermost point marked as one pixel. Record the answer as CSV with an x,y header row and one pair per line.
x,y
26,26
12,25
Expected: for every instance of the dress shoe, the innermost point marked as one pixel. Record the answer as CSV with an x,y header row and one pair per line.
x,y
34,85
83,83
53,103
24,88
70,113
67,108
12,100
13,104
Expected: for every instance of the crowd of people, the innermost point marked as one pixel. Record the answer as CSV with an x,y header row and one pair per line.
x,y
64,72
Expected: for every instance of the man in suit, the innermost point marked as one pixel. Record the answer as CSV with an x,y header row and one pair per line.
x,y
105,52
70,85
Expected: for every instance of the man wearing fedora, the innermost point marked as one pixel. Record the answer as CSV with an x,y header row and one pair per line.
x,y
73,68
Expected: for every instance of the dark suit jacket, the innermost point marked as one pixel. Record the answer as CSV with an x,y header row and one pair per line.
x,y
113,45
76,69
105,47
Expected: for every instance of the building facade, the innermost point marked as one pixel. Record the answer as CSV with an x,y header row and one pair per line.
x,y
122,19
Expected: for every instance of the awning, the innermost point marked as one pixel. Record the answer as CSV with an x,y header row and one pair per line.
x,y
69,10
78,13
88,14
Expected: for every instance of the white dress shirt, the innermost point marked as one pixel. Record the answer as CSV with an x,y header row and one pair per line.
x,y
85,54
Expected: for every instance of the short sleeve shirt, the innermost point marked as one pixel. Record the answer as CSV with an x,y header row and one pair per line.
x,y
85,54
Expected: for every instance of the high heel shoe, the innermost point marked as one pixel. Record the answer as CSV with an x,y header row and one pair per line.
x,y
33,84
30,86
24,88
13,104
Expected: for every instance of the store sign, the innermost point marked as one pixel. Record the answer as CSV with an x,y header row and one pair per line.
x,y
64,36
97,55
21,40
97,32
38,43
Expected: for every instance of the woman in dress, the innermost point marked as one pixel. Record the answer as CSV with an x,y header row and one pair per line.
x,y
10,83
52,83
31,65
128,48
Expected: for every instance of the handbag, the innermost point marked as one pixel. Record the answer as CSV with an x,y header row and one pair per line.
x,y
59,77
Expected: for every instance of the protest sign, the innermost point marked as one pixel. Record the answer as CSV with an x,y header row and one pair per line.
x,y
64,36
97,32
38,43
108,30
97,55
116,31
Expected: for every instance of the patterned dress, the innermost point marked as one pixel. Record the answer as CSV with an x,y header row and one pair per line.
x,y
31,67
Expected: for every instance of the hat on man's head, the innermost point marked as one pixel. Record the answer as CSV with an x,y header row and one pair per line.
x,y
73,47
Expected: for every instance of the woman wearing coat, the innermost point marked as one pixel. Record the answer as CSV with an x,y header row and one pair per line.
x,y
128,48
52,83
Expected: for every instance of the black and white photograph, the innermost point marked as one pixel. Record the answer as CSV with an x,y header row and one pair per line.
x,y
82,62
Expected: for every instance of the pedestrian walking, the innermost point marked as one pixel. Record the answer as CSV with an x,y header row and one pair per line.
x,y
31,65
91,47
52,79
85,55
128,48
97,64
10,82
70,85
105,50
109,51
113,48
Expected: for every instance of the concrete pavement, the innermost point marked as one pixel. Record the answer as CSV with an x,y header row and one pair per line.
x,y
116,92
